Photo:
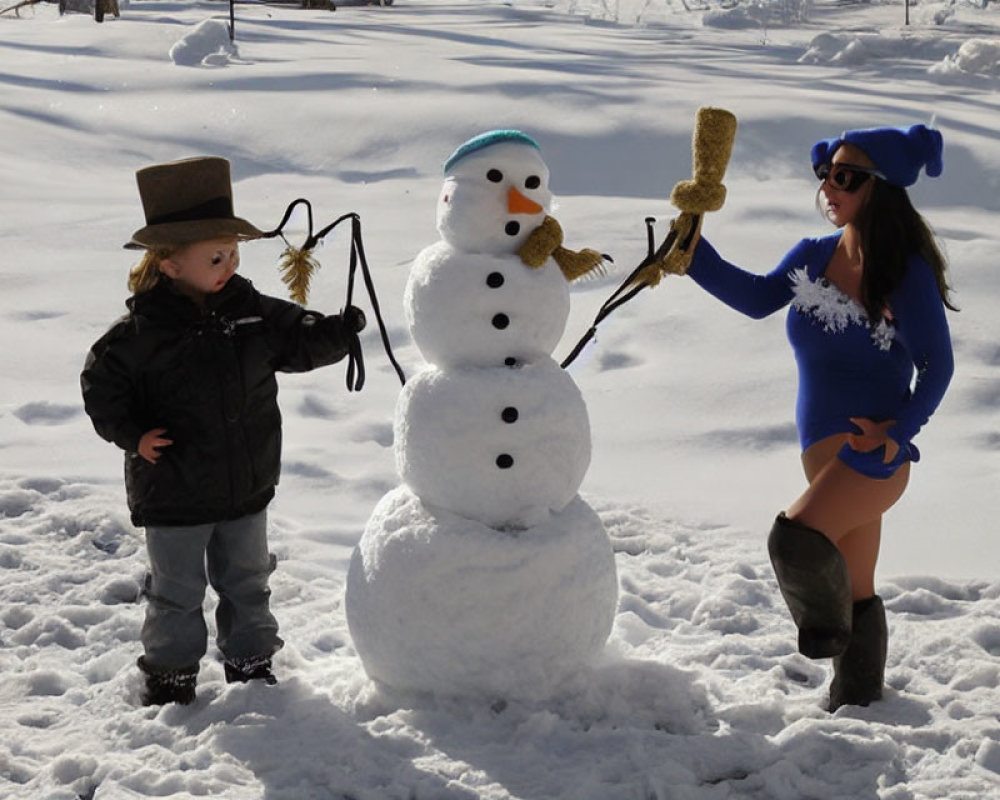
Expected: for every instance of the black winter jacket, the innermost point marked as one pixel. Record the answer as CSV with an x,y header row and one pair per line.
x,y
206,375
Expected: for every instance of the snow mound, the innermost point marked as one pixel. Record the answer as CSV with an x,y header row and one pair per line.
x,y
208,45
974,57
835,48
735,18
852,49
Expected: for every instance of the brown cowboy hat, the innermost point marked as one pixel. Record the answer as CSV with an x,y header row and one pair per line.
x,y
188,201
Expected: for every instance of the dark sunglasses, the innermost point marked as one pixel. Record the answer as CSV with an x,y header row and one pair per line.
x,y
846,177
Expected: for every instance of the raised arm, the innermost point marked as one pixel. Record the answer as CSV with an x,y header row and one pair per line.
x,y
756,296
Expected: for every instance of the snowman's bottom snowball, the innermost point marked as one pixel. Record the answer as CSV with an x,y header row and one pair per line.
x,y
436,602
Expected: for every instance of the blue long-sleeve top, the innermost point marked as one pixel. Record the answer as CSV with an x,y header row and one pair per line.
x,y
848,366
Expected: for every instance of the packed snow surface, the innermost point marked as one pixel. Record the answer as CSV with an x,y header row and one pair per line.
x,y
699,693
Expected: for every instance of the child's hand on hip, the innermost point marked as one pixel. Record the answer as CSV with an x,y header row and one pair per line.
x,y
151,442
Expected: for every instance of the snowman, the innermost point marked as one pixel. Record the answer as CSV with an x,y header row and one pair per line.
x,y
485,572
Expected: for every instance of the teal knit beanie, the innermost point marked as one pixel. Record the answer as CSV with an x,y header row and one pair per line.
x,y
484,140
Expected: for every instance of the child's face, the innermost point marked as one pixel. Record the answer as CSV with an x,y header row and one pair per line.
x,y
203,268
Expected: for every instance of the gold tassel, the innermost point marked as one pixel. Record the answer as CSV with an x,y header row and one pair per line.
x,y
297,268
546,241
578,263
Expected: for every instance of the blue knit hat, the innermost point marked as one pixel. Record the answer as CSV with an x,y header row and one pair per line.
x,y
484,140
898,153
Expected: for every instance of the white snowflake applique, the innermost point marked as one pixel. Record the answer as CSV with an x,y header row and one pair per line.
x,y
834,310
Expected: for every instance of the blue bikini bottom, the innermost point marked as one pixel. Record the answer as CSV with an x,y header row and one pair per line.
x,y
872,464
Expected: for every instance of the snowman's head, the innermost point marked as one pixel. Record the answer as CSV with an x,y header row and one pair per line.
x,y
496,192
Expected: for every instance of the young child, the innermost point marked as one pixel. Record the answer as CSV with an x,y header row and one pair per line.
x,y
185,384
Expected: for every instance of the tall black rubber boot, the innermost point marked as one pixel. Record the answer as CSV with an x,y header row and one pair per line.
x,y
859,672
816,585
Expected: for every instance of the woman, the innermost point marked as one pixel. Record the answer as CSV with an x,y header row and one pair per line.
x,y
866,312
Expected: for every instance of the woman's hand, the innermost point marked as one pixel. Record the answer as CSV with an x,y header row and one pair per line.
x,y
151,442
873,435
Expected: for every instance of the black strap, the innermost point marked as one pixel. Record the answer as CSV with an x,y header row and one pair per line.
x,y
355,356
626,291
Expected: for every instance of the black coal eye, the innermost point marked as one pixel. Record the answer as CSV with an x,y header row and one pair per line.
x,y
532,182
494,175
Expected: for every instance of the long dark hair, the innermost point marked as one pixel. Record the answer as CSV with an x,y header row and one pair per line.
x,y
891,231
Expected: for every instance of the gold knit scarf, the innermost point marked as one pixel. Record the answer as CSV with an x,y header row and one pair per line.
x,y
546,240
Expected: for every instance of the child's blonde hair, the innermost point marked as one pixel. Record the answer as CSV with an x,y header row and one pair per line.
x,y
145,275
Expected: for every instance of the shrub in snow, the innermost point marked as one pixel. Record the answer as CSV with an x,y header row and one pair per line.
x,y
744,16
758,13
207,44
77,6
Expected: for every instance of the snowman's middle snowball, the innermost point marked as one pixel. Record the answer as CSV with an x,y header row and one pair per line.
x,y
502,446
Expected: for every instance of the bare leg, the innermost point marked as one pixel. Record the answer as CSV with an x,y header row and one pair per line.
x,y
839,500
847,507
860,550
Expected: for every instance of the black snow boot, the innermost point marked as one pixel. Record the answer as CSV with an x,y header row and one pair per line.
x,y
168,685
815,583
859,672
255,668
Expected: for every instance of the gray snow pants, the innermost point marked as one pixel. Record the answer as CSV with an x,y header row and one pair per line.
x,y
174,634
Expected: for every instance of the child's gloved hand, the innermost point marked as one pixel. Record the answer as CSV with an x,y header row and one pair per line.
x,y
354,319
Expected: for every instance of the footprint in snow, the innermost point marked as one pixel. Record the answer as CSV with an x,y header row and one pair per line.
x,y
45,413
618,360
988,637
378,432
316,407
35,316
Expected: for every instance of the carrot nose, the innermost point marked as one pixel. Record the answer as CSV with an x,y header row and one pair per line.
x,y
517,203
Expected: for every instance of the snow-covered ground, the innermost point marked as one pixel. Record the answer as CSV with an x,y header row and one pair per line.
x,y
701,693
